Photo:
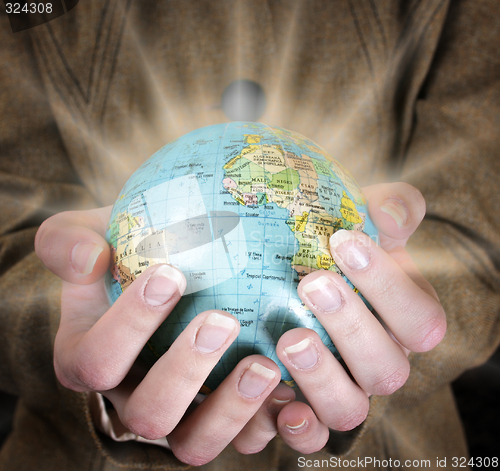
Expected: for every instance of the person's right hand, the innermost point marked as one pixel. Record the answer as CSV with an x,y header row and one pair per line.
x,y
96,348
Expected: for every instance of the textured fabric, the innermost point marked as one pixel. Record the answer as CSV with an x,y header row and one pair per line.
x,y
396,90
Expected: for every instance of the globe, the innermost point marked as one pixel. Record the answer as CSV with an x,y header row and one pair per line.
x,y
244,210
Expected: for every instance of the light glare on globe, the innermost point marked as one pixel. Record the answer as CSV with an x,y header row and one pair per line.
x,y
245,211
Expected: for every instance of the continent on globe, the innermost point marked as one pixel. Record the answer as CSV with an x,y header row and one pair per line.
x,y
244,210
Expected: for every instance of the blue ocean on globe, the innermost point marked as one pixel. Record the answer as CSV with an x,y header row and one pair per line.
x,y
245,211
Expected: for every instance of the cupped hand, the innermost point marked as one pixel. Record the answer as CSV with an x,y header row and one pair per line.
x,y
96,348
409,318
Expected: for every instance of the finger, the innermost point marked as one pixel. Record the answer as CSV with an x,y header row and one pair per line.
x,y
159,402
396,209
337,401
300,429
218,419
377,363
94,351
261,428
415,317
72,245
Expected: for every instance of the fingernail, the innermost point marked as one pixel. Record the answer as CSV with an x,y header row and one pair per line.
x,y
84,255
323,294
163,284
349,250
303,355
296,428
255,380
214,332
275,405
396,209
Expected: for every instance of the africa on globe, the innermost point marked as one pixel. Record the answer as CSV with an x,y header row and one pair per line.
x,y
244,210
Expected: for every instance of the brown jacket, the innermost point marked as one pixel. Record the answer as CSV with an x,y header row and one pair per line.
x,y
396,90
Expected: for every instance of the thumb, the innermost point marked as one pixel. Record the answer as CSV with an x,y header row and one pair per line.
x,y
72,245
396,209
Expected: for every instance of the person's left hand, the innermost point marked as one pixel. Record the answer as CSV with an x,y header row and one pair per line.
x,y
375,351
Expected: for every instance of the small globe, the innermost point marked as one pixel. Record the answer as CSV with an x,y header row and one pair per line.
x,y
244,210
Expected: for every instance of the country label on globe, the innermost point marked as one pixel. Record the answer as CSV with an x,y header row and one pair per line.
x,y
244,210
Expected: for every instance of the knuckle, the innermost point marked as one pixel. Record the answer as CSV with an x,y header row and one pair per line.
x,y
142,425
434,331
188,377
385,286
250,448
93,380
352,329
90,372
353,418
67,371
140,323
430,331
191,456
237,417
66,380
190,374
149,417
392,380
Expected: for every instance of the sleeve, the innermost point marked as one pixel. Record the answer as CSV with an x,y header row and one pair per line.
x,y
53,426
453,158
36,180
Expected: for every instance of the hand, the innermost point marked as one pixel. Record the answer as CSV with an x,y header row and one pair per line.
x,y
96,349
375,352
